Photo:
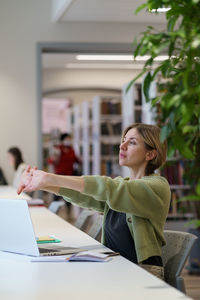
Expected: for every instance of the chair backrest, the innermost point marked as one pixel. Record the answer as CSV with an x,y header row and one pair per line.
x,y
56,205
175,252
83,218
96,227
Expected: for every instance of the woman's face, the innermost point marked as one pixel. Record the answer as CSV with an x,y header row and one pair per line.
x,y
11,159
132,150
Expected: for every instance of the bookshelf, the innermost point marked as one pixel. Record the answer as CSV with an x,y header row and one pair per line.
x,y
106,135
76,119
174,171
86,140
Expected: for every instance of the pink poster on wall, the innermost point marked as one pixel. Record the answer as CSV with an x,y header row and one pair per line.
x,y
54,114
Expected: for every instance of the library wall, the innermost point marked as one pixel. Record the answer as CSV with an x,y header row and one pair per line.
x,y
55,79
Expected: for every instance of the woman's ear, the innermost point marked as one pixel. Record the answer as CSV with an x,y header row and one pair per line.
x,y
150,155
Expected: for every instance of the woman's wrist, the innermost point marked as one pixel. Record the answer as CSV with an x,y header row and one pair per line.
x,y
48,180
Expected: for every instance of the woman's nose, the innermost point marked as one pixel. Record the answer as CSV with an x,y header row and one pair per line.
x,y
123,146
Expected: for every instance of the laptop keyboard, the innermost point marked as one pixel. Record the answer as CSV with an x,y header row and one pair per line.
x,y
44,250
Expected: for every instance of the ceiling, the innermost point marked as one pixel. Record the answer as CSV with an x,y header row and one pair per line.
x,y
106,11
101,11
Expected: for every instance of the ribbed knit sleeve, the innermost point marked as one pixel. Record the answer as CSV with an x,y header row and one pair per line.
x,y
81,200
143,197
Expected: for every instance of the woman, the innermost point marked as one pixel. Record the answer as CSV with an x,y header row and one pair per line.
x,y
16,161
135,208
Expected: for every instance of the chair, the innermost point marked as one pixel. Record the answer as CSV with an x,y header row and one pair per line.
x,y
83,219
56,205
174,255
95,229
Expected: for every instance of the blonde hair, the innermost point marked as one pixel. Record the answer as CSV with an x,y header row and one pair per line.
x,y
151,137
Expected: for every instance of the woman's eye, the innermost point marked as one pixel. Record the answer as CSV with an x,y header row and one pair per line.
x,y
132,143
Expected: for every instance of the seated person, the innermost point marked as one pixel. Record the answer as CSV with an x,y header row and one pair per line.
x,y
135,208
3,180
16,161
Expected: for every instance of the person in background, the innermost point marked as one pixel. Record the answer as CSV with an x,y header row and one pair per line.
x,y
135,208
63,160
64,157
3,180
16,161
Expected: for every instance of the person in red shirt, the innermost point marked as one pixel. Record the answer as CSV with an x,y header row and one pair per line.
x,y
63,159
64,156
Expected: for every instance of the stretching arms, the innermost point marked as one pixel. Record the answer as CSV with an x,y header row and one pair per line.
x,y
33,179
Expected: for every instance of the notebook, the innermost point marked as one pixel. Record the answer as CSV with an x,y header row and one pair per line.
x,y
17,233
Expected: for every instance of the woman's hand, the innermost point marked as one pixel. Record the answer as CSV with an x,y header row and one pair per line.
x,y
32,180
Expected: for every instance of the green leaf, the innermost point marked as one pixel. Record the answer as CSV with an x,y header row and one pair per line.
x,y
137,50
155,100
134,79
170,152
149,62
171,23
198,189
164,133
141,7
185,151
189,198
174,101
189,129
146,85
196,223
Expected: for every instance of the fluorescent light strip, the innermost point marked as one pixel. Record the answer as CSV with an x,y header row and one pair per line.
x,y
161,9
103,66
94,57
146,57
105,57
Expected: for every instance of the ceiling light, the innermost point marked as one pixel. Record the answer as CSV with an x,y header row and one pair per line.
x,y
103,66
161,9
161,57
94,57
142,58
104,57
146,57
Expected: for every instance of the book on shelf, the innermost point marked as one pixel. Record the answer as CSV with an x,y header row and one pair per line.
x,y
174,172
109,149
110,107
110,168
138,93
179,208
138,116
108,128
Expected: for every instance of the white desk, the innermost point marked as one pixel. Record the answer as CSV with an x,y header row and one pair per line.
x,y
118,279
9,192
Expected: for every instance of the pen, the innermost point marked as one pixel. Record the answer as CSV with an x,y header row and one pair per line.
x,y
111,253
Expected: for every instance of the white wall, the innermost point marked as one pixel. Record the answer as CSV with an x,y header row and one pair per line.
x,y
60,78
23,23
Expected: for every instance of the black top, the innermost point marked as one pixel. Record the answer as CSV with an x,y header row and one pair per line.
x,y
119,239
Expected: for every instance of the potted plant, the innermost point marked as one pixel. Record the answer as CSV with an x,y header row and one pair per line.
x,y
180,72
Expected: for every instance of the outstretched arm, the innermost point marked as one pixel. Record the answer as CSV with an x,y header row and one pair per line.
x,y
33,180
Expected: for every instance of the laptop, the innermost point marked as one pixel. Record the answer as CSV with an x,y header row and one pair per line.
x,y
17,234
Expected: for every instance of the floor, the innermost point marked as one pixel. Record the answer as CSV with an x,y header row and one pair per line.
x,y
192,284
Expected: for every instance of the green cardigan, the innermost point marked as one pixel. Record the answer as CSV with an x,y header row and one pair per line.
x,y
145,202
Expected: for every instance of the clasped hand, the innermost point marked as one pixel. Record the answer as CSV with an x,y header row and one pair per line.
x,y
31,180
